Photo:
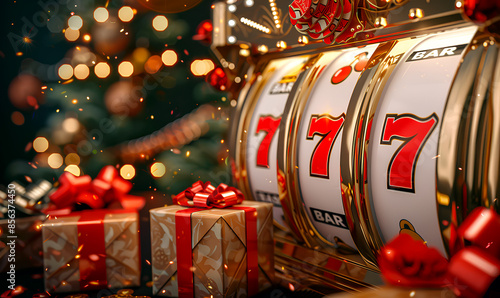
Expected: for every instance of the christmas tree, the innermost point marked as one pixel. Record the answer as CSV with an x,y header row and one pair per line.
x,y
94,83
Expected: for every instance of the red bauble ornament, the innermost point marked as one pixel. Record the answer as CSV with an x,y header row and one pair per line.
x,y
110,37
217,78
204,32
25,92
481,11
122,98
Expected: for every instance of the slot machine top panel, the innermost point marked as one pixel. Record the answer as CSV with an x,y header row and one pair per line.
x,y
264,26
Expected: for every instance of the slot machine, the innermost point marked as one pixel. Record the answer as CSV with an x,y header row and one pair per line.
x,y
360,120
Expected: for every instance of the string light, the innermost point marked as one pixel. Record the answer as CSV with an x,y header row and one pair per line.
x,y
158,169
65,71
255,25
126,69
73,169
202,67
160,23
55,160
71,35
75,22
276,15
81,71
102,70
40,144
127,171
126,14
101,14
169,58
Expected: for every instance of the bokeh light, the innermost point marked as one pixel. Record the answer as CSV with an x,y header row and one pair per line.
x,y
87,37
73,169
126,69
160,23
158,169
169,58
40,144
126,14
55,160
71,35
75,22
102,70
153,64
65,71
72,159
202,67
71,125
17,118
140,55
101,14
127,171
81,71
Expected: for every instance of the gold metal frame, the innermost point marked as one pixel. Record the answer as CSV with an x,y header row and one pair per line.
x,y
468,158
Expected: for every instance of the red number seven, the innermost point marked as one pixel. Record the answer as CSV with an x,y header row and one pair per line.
x,y
414,132
328,127
269,125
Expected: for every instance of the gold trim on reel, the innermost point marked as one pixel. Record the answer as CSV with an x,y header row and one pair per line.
x,y
468,159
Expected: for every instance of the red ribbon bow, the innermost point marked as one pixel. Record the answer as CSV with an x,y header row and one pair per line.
x,y
408,262
205,195
108,187
473,271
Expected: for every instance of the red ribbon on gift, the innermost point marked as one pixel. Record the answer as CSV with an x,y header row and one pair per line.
x,y
107,188
92,247
203,196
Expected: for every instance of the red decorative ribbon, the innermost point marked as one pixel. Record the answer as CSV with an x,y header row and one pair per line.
x,y
101,192
473,270
410,263
92,247
206,196
92,250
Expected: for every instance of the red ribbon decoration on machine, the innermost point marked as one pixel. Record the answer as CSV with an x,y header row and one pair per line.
x,y
205,195
471,272
107,188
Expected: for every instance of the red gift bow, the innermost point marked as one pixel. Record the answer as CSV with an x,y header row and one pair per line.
x,y
106,188
472,271
407,262
475,269
205,195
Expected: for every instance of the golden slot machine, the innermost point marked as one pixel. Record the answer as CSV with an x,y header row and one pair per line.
x,y
361,120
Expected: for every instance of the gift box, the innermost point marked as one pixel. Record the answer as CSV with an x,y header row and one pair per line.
x,y
28,244
91,249
212,252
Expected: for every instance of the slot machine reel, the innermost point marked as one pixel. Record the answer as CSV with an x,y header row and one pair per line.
x,y
309,149
255,131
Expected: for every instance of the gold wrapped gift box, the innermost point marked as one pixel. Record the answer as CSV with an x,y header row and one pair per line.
x,y
28,244
218,248
108,256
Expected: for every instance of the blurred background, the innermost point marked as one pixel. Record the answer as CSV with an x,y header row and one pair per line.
x,y
128,83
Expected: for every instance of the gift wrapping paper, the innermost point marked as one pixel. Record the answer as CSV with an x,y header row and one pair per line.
x,y
28,244
218,265
91,249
